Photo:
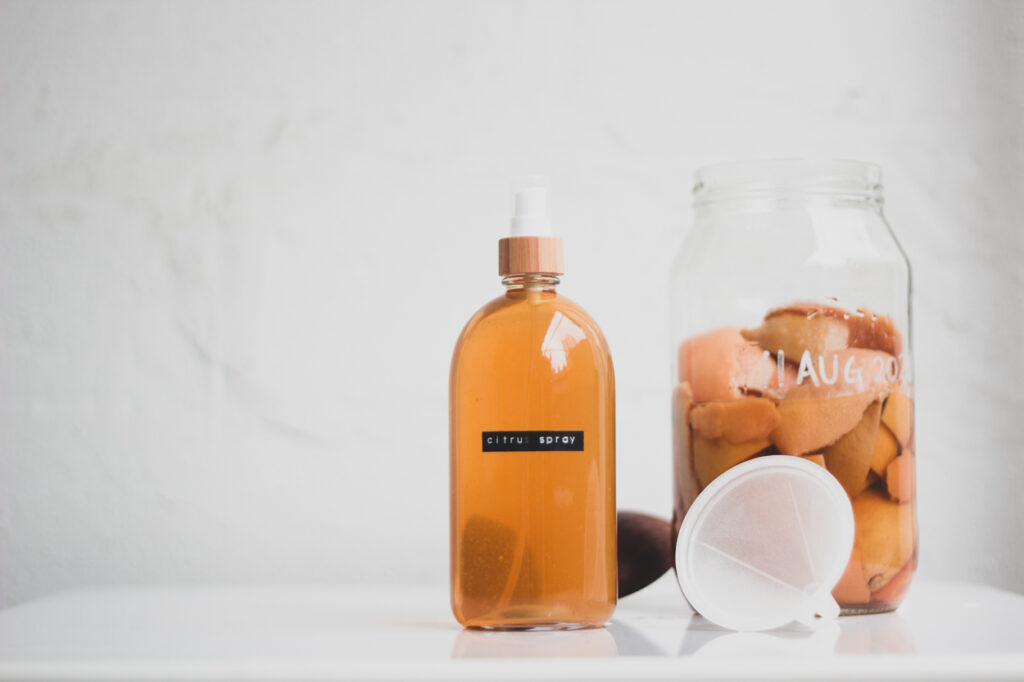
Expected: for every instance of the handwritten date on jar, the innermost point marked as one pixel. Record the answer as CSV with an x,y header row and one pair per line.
x,y
820,382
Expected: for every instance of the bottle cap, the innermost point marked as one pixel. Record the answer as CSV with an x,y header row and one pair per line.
x,y
530,208
764,544
530,248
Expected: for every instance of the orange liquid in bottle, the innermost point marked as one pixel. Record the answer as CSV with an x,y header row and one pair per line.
x,y
533,541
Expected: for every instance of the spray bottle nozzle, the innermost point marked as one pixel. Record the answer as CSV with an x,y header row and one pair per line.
x,y
530,217
530,248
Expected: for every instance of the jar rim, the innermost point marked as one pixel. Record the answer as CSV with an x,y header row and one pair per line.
x,y
767,178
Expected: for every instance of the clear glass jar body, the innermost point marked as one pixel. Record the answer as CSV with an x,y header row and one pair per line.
x,y
791,335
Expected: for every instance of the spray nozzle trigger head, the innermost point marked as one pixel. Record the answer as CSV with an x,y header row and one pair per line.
x,y
531,212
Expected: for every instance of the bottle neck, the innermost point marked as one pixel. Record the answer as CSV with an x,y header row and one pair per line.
x,y
530,281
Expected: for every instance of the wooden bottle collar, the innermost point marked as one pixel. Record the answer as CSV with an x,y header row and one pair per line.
x,y
520,255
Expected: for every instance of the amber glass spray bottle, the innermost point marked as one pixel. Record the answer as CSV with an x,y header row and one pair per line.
x,y
532,429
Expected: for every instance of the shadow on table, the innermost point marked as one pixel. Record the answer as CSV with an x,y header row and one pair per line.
x,y
883,633
852,635
596,642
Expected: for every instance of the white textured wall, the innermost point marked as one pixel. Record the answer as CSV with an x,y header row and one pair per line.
x,y
237,243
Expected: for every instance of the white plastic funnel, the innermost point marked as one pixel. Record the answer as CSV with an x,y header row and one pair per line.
x,y
765,543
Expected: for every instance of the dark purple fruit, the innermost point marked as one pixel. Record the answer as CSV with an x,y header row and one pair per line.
x,y
645,551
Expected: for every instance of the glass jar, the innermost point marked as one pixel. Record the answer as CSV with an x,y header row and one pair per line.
x,y
791,335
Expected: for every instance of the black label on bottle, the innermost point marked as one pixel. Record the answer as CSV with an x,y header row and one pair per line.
x,y
533,441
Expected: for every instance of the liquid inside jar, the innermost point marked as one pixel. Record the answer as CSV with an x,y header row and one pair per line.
x,y
819,382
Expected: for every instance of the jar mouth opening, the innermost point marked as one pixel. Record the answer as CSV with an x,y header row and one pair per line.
x,y
777,178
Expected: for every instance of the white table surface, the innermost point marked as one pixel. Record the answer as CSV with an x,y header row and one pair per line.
x,y
943,631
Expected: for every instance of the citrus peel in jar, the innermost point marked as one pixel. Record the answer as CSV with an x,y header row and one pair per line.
x,y
899,477
793,333
849,458
722,365
886,449
818,459
810,424
863,329
884,535
713,456
846,409
737,421
852,588
898,416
